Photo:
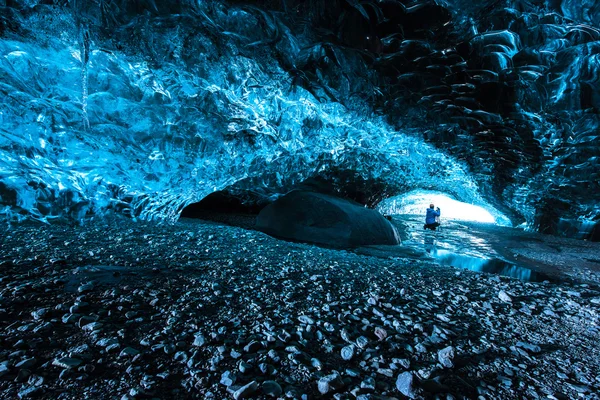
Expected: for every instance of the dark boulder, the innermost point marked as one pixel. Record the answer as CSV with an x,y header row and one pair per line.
x,y
327,220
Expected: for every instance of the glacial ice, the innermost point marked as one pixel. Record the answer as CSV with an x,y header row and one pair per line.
x,y
144,109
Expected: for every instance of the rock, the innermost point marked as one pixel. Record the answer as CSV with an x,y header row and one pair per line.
x,y
227,378
23,375
530,347
39,314
105,342
88,287
445,356
67,362
405,384
85,320
271,388
245,391
323,219
27,363
199,340
504,297
252,347
305,319
316,363
93,326
29,392
69,318
347,352
244,367
362,342
330,383
368,384
128,352
36,380
380,333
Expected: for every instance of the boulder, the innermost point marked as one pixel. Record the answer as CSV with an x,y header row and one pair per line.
x,y
327,220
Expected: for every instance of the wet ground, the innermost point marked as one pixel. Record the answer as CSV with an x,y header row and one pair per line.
x,y
206,310
511,252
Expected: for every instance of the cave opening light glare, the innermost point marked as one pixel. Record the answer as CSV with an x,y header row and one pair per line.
x,y
416,203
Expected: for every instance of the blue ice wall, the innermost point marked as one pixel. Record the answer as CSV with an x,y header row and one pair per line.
x,y
86,129
143,107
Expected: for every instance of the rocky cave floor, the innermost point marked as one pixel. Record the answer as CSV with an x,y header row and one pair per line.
x,y
204,310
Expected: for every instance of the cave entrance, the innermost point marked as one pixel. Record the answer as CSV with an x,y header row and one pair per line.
x,y
417,201
224,207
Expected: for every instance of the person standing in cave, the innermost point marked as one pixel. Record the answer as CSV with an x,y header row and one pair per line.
x,y
431,218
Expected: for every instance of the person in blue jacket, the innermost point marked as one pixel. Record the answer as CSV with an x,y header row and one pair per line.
x,y
430,218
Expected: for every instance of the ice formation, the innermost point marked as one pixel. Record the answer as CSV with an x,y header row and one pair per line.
x,y
144,107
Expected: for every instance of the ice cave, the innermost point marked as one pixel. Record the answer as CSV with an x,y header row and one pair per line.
x,y
302,199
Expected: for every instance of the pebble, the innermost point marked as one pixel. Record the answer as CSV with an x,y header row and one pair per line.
x,y
93,326
530,347
128,352
227,378
27,363
271,388
29,392
347,352
330,383
445,356
245,391
39,314
67,362
504,297
88,287
306,320
199,340
405,384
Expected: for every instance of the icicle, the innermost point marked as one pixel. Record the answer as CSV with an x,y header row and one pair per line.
x,y
84,43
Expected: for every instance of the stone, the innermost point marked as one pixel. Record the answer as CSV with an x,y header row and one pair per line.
x,y
67,362
271,388
39,314
362,342
93,326
199,340
252,347
347,352
405,384
330,383
533,348
318,218
445,356
368,384
129,352
88,287
305,319
380,333
227,378
245,391
29,392
502,295
27,363
23,375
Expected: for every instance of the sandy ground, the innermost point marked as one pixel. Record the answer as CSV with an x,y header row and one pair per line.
x,y
205,310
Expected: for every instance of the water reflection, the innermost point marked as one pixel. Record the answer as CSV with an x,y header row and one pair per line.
x,y
429,242
493,265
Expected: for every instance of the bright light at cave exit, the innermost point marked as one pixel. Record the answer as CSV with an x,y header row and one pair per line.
x,y
417,202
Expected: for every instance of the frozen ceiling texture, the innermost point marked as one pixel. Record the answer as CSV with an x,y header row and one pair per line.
x,y
145,106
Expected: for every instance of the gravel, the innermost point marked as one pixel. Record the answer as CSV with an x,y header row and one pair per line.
x,y
128,310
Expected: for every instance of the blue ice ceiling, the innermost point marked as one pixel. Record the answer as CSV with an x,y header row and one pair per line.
x,y
143,107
